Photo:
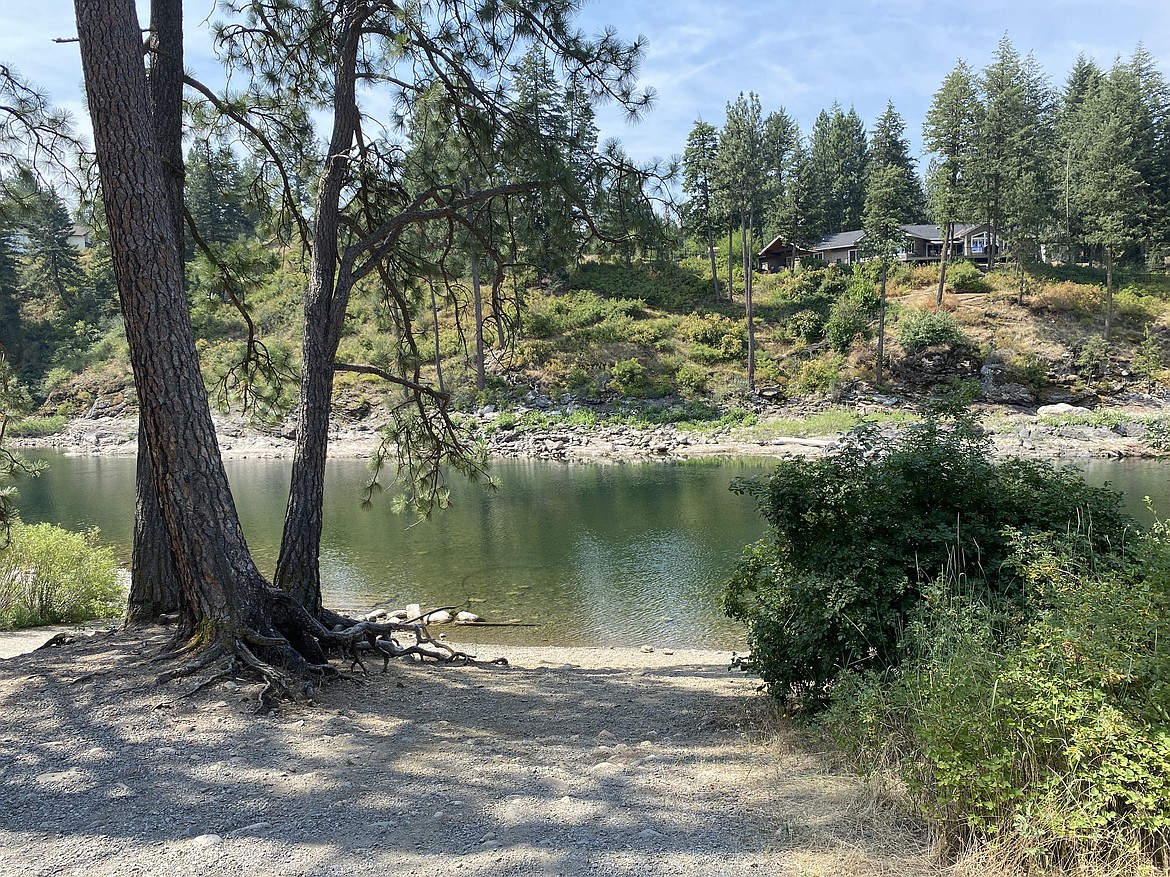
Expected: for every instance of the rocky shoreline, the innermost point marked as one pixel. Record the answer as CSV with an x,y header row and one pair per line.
x,y
1049,432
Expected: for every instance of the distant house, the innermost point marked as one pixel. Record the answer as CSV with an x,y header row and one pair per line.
x,y
923,244
779,254
80,236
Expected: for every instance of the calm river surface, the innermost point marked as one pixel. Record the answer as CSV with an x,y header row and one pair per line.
x,y
595,555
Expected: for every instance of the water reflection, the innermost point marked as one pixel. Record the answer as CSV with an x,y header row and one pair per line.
x,y
602,555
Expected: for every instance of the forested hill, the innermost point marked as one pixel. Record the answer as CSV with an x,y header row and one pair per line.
x,y
654,336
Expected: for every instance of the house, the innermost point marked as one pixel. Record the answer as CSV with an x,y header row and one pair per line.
x,y
80,236
780,253
923,244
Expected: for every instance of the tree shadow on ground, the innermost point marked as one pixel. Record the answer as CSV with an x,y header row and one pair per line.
x,y
666,768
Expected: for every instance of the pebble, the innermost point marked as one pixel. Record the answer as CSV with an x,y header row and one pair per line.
x,y
207,840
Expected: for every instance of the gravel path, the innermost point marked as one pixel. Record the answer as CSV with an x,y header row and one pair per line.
x,y
567,762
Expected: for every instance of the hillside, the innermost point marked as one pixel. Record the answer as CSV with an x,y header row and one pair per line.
x,y
653,344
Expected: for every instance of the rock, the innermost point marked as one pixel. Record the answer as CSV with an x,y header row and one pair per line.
x,y
467,618
376,614
1059,409
439,616
647,649
413,611
208,840
648,833
397,615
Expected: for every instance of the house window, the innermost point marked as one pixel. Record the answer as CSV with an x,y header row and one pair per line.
x,y
852,256
978,245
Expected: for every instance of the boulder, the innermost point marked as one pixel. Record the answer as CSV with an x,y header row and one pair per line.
x,y
1060,409
467,618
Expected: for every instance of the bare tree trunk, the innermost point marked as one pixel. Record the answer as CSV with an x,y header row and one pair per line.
x,y
223,592
747,296
948,232
154,582
730,262
298,569
1108,292
881,332
711,256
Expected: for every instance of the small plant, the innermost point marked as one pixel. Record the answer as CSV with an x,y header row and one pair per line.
x,y
1147,360
49,575
820,375
806,325
691,379
628,377
34,427
1093,357
964,276
918,329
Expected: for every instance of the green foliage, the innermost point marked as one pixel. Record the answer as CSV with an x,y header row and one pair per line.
x,y
857,535
49,576
713,338
820,375
1147,360
849,316
964,276
663,286
32,427
691,379
805,325
1093,357
628,377
1045,734
917,329
557,315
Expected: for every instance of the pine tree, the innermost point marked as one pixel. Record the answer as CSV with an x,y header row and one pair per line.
x,y
698,182
889,147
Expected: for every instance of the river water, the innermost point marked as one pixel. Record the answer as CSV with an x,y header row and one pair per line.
x,y
588,555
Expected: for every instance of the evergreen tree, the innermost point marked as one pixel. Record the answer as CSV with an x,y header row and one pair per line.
x,y
1083,80
698,182
951,134
1106,182
835,180
889,148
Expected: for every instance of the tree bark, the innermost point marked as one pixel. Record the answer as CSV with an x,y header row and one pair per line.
x,y
222,589
154,581
326,299
881,332
749,308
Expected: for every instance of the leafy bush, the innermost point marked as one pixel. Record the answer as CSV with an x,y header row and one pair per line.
x,y
1048,740
963,276
820,375
857,535
713,338
917,329
31,427
806,325
628,377
1093,356
691,378
664,286
49,575
848,318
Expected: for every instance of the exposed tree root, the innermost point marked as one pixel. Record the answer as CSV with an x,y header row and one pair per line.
x,y
288,651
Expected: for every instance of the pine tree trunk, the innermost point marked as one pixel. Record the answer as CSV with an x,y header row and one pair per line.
x,y
1108,292
298,570
730,263
881,332
747,297
947,231
222,589
154,582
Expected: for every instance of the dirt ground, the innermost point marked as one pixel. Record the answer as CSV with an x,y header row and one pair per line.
x,y
565,762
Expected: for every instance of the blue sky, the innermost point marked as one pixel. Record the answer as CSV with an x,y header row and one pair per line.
x,y
802,56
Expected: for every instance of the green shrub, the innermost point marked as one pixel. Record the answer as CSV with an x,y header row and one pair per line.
x,y
49,576
1047,739
857,535
628,377
963,276
31,427
848,318
918,329
820,375
1093,356
805,325
663,286
691,378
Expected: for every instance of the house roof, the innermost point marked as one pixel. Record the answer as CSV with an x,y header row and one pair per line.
x,y
839,241
778,245
934,232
